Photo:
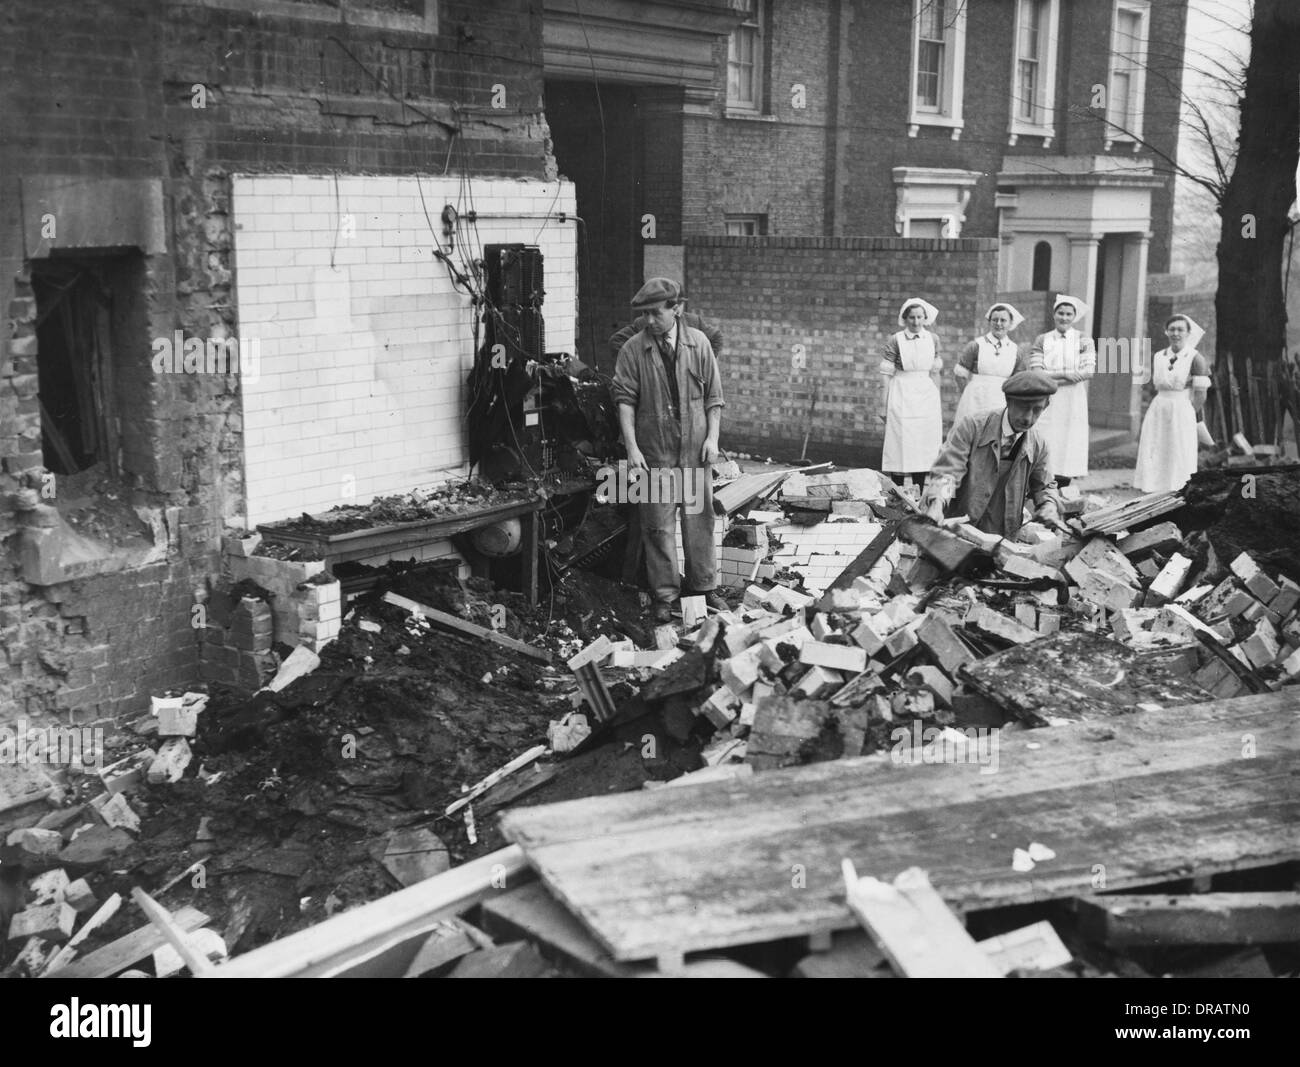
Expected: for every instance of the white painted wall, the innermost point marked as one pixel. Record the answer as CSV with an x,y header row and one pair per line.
x,y
365,344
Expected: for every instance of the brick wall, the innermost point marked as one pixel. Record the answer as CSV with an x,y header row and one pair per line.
x,y
839,298
97,93
773,164
365,342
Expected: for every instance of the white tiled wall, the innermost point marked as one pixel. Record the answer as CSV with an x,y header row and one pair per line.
x,y
364,342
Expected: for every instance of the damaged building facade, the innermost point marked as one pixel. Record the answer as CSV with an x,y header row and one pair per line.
x,y
789,168
221,235
225,307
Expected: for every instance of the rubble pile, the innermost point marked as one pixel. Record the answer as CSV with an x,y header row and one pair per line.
x,y
827,654
856,628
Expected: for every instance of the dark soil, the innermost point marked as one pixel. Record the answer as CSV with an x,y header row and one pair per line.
x,y
1243,512
383,735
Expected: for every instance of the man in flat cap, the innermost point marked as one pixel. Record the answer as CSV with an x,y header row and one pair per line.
x,y
669,397
693,319
993,460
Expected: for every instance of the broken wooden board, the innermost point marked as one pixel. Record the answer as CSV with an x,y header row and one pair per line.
x,y
1076,676
1161,920
449,940
513,789
867,558
748,487
463,626
530,912
914,928
1037,947
381,939
120,954
518,960
1153,796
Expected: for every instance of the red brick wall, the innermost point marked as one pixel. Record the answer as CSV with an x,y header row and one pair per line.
x,y
779,165
102,89
839,298
775,164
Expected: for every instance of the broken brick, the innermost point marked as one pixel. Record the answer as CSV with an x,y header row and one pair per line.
x,y
53,922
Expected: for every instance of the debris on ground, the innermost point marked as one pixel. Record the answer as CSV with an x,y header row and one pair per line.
x,y
382,760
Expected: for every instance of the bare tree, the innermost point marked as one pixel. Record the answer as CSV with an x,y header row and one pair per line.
x,y
1245,144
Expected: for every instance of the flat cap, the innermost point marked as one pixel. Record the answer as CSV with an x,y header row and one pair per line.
x,y
1029,385
656,290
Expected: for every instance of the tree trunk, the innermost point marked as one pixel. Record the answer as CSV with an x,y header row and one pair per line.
x,y
1249,305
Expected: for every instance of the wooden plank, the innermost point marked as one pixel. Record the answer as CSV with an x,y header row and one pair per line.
x,y
867,558
449,940
199,965
382,937
1078,676
451,622
1154,795
1199,919
122,953
515,788
914,928
531,912
749,487
1036,947
518,763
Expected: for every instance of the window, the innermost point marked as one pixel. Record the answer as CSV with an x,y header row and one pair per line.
x,y
1042,267
745,61
1127,73
745,225
929,56
938,64
1033,79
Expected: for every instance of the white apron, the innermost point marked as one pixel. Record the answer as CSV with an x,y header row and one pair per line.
x,y
913,410
992,367
1167,446
1065,422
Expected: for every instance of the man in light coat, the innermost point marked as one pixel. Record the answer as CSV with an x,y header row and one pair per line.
x,y
993,460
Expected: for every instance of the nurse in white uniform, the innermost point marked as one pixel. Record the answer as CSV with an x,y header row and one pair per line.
x,y
988,361
1069,357
1167,446
913,410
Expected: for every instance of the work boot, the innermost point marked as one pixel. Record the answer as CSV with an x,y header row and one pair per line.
x,y
662,612
714,600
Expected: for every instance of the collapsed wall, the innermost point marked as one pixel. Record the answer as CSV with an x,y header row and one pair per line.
x,y
117,233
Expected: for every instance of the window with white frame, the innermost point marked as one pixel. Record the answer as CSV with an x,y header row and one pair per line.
x,y
938,64
745,61
1033,80
745,225
1126,100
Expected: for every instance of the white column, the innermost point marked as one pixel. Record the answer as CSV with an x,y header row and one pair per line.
x,y
1083,268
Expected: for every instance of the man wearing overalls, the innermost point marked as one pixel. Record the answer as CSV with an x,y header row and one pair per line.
x,y
669,397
